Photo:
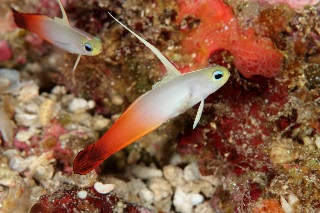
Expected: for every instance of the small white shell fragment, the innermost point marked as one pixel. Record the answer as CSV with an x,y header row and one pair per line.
x,y
287,208
25,135
191,172
43,173
121,187
9,80
100,123
195,198
174,175
160,188
146,195
181,201
28,91
59,90
163,205
25,119
103,188
82,194
202,186
203,208
6,126
144,172
283,153
44,159
20,164
135,185
4,84
184,202
293,199
91,104
31,108
7,176
79,105
117,100
317,142
307,140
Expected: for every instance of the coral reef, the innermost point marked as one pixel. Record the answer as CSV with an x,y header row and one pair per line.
x,y
84,200
6,53
295,4
255,149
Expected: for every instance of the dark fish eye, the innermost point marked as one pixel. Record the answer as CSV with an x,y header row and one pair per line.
x,y
88,47
218,75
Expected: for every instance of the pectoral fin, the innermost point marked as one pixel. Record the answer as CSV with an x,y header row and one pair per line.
x,y
74,67
76,63
199,113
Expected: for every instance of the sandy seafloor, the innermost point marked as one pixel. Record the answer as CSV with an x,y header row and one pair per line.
x,y
255,149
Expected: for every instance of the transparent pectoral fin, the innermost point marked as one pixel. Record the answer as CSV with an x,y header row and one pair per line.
x,y
75,66
199,113
76,63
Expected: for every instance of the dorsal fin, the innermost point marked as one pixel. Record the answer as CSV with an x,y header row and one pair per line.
x,y
64,19
172,71
164,80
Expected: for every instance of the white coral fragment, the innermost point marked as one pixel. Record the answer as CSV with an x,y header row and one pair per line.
x,y
9,80
6,126
103,188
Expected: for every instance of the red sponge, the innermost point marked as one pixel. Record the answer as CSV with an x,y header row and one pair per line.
x,y
219,29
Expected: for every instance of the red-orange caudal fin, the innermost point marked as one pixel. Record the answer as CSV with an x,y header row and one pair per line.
x,y
19,18
88,159
29,21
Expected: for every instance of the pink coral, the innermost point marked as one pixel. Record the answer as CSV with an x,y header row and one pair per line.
x,y
68,200
218,30
5,51
295,4
7,23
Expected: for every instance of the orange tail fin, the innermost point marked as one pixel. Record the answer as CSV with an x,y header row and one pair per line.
x,y
88,159
28,21
19,18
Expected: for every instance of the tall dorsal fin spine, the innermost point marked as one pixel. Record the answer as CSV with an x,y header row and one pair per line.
x,y
64,15
171,69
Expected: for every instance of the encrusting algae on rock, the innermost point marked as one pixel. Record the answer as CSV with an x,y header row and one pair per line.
x,y
255,149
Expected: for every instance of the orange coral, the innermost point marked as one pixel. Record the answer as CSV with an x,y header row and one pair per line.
x,y
268,206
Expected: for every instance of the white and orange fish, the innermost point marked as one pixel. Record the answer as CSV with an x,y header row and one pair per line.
x,y
169,98
59,32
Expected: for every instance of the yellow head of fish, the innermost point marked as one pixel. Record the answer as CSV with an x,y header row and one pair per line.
x,y
217,74
92,47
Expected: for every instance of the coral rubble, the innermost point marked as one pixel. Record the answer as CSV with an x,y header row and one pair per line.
x,y
255,149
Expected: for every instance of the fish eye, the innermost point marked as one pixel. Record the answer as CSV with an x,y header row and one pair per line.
x,y
217,75
88,47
